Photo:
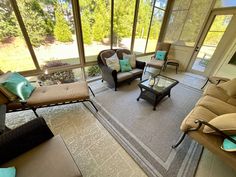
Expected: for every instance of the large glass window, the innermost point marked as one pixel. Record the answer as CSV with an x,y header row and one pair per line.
x,y
186,21
96,24
225,3
50,27
14,54
123,23
158,15
143,22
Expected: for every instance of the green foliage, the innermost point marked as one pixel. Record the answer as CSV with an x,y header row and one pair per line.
x,y
8,24
35,21
62,30
94,71
86,30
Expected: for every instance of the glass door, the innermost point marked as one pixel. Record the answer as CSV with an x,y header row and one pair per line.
x,y
207,45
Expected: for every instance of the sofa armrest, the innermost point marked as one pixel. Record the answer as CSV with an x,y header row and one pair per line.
x,y
23,138
140,64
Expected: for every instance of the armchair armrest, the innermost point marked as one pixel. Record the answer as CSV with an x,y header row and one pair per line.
x,y
140,64
23,138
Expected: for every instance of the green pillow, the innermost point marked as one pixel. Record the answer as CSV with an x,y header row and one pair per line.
x,y
160,55
228,145
125,65
8,172
18,85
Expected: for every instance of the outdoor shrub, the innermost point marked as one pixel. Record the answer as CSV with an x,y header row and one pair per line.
x,y
65,76
62,30
94,71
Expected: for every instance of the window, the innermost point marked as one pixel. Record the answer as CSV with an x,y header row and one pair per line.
x,y
186,21
225,3
50,27
158,15
123,23
95,19
143,22
14,54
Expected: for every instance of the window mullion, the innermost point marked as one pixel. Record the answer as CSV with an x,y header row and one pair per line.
x,y
134,25
25,34
112,20
78,31
149,28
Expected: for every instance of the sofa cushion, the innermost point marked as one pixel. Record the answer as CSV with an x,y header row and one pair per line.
x,y
113,62
49,159
229,87
124,76
8,172
217,92
18,85
225,123
125,65
52,94
198,112
120,53
136,71
106,54
216,105
131,58
155,63
10,96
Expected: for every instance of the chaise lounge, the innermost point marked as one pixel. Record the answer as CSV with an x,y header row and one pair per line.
x,y
46,96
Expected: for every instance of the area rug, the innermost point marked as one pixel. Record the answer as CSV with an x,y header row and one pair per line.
x,y
147,135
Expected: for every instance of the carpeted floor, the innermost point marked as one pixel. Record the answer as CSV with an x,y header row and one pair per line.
x,y
148,135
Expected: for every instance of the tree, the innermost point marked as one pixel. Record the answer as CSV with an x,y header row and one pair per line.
x,y
35,20
62,30
8,23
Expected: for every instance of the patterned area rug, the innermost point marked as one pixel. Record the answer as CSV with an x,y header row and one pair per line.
x,y
147,135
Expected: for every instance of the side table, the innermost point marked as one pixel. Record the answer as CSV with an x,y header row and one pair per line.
x,y
173,62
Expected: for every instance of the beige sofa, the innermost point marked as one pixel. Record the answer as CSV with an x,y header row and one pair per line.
x,y
216,100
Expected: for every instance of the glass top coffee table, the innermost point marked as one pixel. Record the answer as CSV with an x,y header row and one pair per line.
x,y
155,92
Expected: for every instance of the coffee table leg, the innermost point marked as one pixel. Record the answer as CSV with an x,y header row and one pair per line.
x,y
169,93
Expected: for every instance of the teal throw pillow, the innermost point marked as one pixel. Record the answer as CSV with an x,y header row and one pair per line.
x,y
18,85
125,65
160,55
8,172
228,145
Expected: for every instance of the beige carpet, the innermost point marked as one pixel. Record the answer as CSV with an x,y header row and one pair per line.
x,y
148,135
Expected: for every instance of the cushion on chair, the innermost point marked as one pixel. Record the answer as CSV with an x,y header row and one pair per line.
x,y
113,62
160,55
225,123
106,54
131,58
155,63
124,76
215,105
229,87
18,85
125,65
120,52
10,96
53,94
136,71
199,112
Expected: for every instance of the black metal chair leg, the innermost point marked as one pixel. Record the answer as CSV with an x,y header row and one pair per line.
x,y
179,141
93,105
205,83
34,110
91,91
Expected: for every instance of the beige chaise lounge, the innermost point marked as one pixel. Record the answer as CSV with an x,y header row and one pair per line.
x,y
45,96
215,101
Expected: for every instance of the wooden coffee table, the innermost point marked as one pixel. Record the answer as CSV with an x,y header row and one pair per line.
x,y
161,88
